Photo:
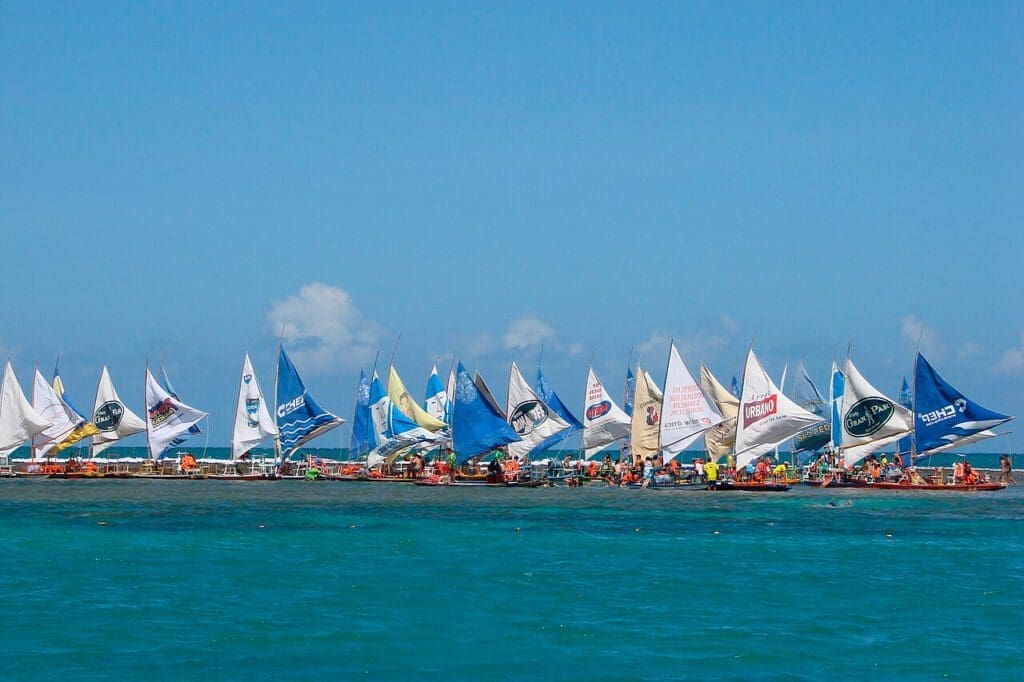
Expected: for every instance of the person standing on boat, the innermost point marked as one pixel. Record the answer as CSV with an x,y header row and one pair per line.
x,y
1006,469
711,473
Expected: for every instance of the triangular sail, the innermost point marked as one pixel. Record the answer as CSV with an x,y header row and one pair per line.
x,y
194,430
686,414
627,392
477,427
942,414
253,423
551,399
400,396
63,420
808,397
531,418
393,430
766,417
362,439
719,440
485,393
436,403
870,419
167,418
836,404
299,418
603,421
645,421
19,421
83,428
906,444
113,419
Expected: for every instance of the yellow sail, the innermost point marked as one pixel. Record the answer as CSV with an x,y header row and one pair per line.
x,y
645,423
400,397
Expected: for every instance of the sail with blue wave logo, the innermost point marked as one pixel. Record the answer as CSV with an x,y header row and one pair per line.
x,y
392,429
194,430
477,426
299,418
362,440
437,403
551,399
942,414
809,398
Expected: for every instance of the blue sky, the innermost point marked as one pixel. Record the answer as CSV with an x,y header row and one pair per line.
x,y
184,180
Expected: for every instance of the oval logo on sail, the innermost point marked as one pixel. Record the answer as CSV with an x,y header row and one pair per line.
x,y
598,410
108,416
528,415
867,416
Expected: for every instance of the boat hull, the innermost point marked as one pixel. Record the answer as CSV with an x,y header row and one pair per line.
x,y
942,487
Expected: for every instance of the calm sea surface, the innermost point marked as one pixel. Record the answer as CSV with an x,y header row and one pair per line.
x,y
301,580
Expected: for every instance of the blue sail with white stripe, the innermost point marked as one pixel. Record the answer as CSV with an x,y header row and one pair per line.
x,y
942,414
555,404
165,382
628,390
838,385
906,444
392,429
477,428
362,440
299,418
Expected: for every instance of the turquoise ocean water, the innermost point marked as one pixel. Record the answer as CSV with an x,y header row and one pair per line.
x,y
136,579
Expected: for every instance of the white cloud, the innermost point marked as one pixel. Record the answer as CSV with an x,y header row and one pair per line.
x,y
730,325
1012,359
527,332
323,329
968,350
576,348
913,330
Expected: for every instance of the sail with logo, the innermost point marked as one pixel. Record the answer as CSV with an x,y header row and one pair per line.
x,y
66,426
531,418
603,421
111,416
945,417
767,417
253,423
437,402
83,427
808,397
686,414
645,421
720,439
870,420
393,430
477,426
194,430
299,418
19,421
543,389
400,396
167,418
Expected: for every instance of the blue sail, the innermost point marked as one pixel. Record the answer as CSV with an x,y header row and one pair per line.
x,y
808,397
905,444
393,430
299,418
362,440
944,415
554,403
436,392
735,389
477,427
628,390
193,430
838,386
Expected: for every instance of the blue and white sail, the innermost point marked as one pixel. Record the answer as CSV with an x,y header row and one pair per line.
x,y
393,430
253,423
942,414
530,416
551,399
362,439
194,430
906,444
477,427
836,385
808,397
167,418
627,392
299,418
870,420
437,403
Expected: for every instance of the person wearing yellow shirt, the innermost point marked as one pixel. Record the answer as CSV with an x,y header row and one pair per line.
x,y
711,473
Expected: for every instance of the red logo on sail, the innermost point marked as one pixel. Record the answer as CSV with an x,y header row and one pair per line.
x,y
756,411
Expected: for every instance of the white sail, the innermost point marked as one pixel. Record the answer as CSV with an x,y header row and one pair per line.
x,y
63,420
253,423
529,416
166,416
645,422
870,420
719,440
686,413
114,420
766,417
19,421
604,422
